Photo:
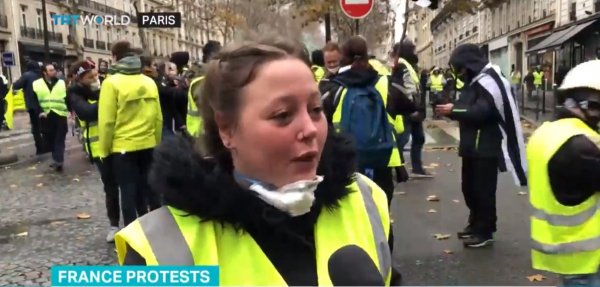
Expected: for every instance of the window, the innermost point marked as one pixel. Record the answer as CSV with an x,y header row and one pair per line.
x,y
85,32
52,22
24,15
39,19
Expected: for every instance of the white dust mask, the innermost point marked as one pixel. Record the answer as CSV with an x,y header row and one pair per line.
x,y
95,86
295,198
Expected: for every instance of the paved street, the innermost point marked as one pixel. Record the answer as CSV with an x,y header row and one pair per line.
x,y
39,226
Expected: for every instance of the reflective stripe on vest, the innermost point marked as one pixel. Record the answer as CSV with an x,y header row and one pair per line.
x,y
437,84
167,236
193,120
565,239
51,100
382,87
90,136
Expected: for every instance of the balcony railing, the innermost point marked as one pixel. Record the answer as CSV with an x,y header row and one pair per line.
x,y
88,43
3,21
32,33
55,37
100,45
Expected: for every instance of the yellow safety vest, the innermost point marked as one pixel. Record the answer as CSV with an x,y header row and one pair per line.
x,y
51,100
18,100
379,67
382,87
413,74
90,136
318,72
537,78
9,113
566,239
459,83
193,121
437,84
168,236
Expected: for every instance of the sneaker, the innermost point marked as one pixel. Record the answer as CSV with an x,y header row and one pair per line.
x,y
58,167
466,233
476,241
110,237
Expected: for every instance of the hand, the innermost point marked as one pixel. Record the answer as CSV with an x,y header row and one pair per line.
x,y
444,110
43,115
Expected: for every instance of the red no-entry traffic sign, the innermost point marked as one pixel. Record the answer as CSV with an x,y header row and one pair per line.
x,y
357,9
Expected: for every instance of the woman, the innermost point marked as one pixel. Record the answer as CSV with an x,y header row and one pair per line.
x,y
274,194
83,97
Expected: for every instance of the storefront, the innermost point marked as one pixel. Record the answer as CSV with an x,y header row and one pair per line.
x,y
542,58
35,52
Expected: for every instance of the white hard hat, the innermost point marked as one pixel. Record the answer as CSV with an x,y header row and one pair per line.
x,y
584,75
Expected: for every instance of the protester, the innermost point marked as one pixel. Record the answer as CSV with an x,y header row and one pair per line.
x,y
31,102
491,139
272,184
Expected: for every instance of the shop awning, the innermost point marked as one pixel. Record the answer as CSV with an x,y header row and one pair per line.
x,y
556,39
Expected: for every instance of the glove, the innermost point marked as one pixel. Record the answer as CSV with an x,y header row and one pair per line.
x,y
401,174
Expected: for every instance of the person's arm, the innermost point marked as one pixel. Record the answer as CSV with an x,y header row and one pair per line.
x,y
19,84
574,171
158,124
85,110
479,111
107,116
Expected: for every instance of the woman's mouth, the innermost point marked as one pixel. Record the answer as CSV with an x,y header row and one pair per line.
x,y
307,156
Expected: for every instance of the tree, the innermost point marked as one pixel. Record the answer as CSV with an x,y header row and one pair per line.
x,y
72,7
141,33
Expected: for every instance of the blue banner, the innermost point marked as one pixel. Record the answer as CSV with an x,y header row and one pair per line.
x,y
92,276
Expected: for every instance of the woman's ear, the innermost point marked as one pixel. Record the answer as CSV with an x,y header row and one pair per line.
x,y
225,129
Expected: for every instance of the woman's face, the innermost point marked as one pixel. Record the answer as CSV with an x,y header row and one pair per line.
x,y
88,78
281,129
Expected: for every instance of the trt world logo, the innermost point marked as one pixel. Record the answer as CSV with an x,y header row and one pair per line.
x,y
106,20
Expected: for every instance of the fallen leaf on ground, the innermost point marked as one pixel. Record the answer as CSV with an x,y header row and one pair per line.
x,y
21,234
440,236
39,175
400,192
432,211
448,251
455,200
13,186
58,222
391,221
87,171
433,198
83,215
450,170
39,184
7,167
536,277
32,168
522,193
448,164
76,179
434,165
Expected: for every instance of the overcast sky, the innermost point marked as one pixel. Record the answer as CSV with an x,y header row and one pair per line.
x,y
399,7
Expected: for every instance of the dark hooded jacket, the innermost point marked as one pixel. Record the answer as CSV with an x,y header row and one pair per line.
x,y
78,96
26,83
399,103
574,170
475,111
207,188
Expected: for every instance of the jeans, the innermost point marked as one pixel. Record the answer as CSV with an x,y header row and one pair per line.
x,y
414,130
111,190
580,280
54,130
131,170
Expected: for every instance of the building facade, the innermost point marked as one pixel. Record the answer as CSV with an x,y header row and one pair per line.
x,y
21,31
419,32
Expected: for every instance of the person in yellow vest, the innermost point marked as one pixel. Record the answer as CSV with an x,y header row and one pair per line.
x,y
51,93
270,198
564,173
317,65
436,84
407,102
515,80
83,96
538,78
129,128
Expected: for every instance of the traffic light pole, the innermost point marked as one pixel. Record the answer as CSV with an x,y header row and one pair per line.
x,y
356,23
45,32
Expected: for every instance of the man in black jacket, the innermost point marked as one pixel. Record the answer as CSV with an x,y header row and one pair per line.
x,y
31,102
490,139
3,92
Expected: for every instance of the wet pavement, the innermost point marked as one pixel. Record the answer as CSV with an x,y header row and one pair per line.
x,y
39,226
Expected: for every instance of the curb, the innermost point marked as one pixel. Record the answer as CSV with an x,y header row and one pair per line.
x,y
8,158
531,121
8,134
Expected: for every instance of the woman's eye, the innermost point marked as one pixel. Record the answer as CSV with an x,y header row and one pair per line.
x,y
282,117
317,110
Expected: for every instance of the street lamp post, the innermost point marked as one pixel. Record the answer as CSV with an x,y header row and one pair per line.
x,y
45,32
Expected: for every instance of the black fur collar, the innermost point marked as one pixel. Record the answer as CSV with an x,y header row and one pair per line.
x,y
207,188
